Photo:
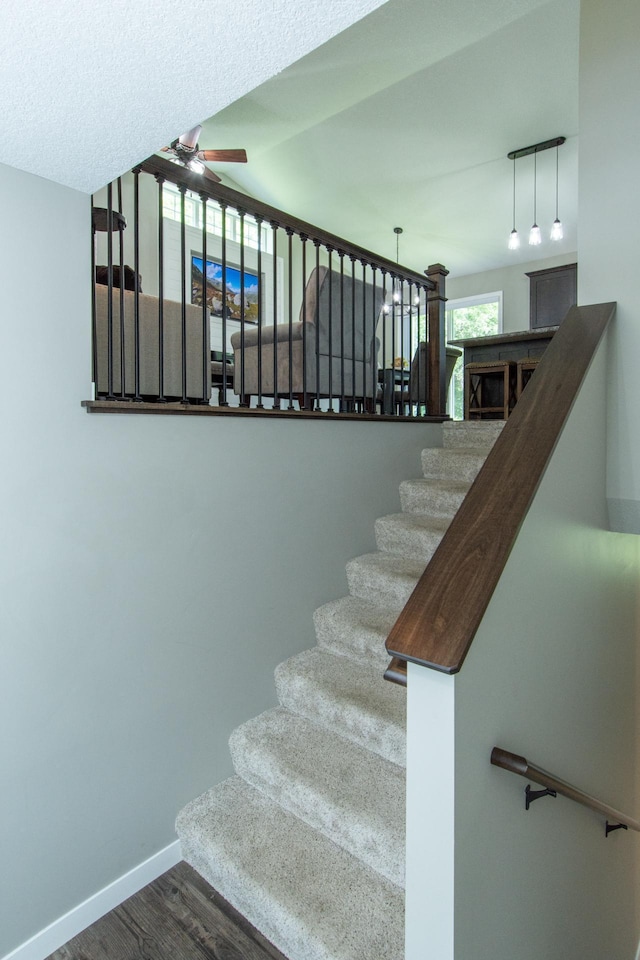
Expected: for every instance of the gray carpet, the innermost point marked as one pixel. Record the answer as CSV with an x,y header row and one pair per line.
x,y
307,840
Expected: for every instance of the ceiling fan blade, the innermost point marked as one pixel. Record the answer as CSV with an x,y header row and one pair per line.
x,y
190,138
223,156
211,175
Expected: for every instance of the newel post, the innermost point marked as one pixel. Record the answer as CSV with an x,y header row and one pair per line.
x,y
437,363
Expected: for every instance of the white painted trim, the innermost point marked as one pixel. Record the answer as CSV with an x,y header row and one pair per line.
x,y
75,921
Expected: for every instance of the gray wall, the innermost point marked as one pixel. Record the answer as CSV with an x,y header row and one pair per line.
x,y
609,214
550,676
154,571
514,284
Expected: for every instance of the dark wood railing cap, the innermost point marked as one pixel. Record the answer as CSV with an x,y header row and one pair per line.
x,y
434,629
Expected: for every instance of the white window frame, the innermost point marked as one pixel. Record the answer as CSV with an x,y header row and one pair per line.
x,y
474,301
461,303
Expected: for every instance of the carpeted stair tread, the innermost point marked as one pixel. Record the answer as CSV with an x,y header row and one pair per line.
x,y
347,696
438,498
356,628
452,463
412,535
470,433
384,577
307,895
354,797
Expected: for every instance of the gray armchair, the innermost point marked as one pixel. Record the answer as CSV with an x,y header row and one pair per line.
x,y
332,350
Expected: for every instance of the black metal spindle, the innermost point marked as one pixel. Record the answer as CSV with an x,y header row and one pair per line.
x,y
290,294
305,396
276,398
422,373
365,398
402,340
385,402
394,345
259,404
161,396
94,330
206,360
183,291
136,284
353,333
110,393
373,356
223,256
330,297
341,255
316,244
244,401
123,386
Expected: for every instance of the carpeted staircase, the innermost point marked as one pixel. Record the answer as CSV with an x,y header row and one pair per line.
x,y
307,840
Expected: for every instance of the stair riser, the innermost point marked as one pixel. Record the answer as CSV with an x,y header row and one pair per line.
x,y
349,718
395,537
379,587
352,640
423,499
277,767
469,434
452,464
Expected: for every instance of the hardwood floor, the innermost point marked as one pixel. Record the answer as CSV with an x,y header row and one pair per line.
x,y
177,917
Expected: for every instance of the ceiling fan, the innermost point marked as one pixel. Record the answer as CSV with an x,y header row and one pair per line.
x,y
186,150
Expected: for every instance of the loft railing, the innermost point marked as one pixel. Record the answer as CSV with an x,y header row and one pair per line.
x,y
434,629
246,307
554,785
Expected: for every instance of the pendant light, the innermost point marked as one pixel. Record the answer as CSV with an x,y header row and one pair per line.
x,y
535,237
514,239
556,230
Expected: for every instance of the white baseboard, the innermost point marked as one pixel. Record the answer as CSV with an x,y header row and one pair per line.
x,y
86,913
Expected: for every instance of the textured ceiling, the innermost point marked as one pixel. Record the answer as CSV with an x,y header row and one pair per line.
x,y
89,89
406,119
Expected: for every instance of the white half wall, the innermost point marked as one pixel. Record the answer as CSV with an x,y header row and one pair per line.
x,y
609,203
154,570
551,676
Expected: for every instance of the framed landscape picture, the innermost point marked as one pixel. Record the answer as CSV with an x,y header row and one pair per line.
x,y
241,288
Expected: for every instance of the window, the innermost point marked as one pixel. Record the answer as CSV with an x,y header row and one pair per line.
x,y
478,316
193,218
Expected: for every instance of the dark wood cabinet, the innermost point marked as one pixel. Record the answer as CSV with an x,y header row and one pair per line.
x,y
552,293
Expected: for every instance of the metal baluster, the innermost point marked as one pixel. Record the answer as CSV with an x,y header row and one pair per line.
x,y
412,349
330,295
244,402
353,332
364,337
394,345
276,399
206,360
316,244
259,404
110,393
161,396
223,257
402,344
94,331
422,369
183,293
342,401
136,284
123,382
290,292
372,365
305,396
385,403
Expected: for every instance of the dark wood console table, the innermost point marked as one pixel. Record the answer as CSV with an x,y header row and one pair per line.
x,y
506,346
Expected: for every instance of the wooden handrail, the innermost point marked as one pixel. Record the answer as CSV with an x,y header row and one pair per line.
x,y
174,173
522,767
435,629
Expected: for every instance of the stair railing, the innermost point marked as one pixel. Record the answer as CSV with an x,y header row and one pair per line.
x,y
164,353
435,629
615,820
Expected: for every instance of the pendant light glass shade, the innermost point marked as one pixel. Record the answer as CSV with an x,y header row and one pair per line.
x,y
514,239
556,230
535,237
